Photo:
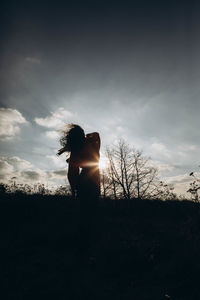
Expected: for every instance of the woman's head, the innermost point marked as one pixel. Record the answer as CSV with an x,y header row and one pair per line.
x,y
72,137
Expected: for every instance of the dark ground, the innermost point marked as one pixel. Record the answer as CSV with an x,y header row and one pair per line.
x,y
145,250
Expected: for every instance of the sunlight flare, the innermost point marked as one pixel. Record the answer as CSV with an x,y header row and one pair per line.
x,y
103,162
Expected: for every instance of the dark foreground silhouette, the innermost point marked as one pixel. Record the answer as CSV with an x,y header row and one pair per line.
x,y
141,250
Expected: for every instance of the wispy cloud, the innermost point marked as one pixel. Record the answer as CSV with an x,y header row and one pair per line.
x,y
18,163
56,119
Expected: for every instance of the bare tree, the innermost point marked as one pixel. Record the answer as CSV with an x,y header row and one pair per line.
x,y
118,170
106,185
194,187
162,191
129,172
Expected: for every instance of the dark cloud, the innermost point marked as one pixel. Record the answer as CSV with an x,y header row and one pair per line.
x,y
33,175
60,173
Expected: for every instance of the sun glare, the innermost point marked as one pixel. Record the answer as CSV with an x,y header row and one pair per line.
x,y
103,162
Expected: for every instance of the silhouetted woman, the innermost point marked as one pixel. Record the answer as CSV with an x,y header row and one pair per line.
x,y
83,170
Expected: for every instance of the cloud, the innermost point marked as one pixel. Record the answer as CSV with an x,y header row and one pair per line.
x,y
161,149
18,163
181,183
59,173
57,119
10,119
162,166
31,175
5,169
22,170
183,178
52,134
58,161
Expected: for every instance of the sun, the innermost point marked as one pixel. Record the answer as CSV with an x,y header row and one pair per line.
x,y
103,162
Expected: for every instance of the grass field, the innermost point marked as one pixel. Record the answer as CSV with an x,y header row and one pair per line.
x,y
143,250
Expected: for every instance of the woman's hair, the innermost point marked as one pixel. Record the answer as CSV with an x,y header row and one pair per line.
x,y
72,138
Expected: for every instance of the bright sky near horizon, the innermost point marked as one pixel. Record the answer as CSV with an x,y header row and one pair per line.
x,y
124,69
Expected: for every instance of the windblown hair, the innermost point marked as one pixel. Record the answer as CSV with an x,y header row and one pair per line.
x,y
72,138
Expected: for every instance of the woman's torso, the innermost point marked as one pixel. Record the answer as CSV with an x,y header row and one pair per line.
x,y
89,178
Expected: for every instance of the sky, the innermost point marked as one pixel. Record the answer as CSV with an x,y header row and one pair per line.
x,y
125,69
